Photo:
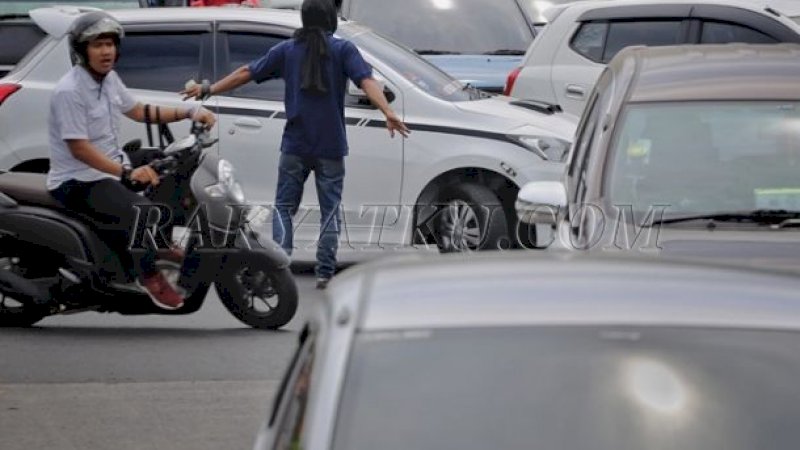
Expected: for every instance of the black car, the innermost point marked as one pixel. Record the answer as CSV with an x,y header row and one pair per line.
x,y
689,151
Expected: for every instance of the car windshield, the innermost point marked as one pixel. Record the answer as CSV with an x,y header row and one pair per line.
x,y
568,388
537,8
14,7
411,66
448,26
707,157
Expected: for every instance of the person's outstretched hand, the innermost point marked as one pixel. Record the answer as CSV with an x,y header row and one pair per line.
x,y
393,123
194,90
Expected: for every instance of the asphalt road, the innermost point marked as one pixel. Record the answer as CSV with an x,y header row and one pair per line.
x,y
99,381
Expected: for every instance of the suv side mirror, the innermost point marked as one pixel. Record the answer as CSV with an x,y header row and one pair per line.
x,y
540,202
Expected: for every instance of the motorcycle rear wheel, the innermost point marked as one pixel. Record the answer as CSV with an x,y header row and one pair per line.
x,y
260,298
14,313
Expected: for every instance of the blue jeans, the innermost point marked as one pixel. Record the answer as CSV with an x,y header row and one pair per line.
x,y
293,172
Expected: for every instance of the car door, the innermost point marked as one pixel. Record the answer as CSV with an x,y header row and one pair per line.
x,y
594,43
251,121
155,63
251,117
374,166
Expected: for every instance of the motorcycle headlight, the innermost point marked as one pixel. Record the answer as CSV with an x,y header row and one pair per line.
x,y
546,147
226,183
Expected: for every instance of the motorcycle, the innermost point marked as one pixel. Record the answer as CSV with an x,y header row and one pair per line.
x,y
52,262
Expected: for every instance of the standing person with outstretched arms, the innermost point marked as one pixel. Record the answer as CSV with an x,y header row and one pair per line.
x,y
315,66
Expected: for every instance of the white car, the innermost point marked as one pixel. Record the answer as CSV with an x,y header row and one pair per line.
x,y
563,63
467,151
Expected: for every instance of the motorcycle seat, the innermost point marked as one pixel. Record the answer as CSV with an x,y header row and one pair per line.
x,y
28,188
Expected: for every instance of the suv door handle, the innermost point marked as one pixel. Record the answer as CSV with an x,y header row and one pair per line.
x,y
576,91
247,122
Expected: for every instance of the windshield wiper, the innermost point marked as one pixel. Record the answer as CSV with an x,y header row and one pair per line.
x,y
506,51
760,216
436,52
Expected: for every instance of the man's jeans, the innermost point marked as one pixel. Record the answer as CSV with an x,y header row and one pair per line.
x,y
293,172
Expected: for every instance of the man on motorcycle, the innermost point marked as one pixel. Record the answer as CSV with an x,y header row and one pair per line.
x,y
89,173
315,66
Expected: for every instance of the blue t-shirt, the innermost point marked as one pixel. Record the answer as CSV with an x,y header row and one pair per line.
x,y
315,124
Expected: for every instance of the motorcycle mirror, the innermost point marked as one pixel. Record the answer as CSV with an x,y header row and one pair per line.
x,y
132,146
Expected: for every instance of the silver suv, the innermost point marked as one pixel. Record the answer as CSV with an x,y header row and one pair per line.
x,y
468,152
566,59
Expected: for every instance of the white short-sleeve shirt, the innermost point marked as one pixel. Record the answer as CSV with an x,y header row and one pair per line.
x,y
83,108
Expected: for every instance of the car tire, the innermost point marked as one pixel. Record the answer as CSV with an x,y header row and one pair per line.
x,y
470,217
242,302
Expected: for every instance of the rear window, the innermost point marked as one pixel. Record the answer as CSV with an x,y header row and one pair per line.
x,y
17,39
568,388
601,41
164,61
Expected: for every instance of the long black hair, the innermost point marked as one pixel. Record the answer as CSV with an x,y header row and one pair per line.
x,y
319,19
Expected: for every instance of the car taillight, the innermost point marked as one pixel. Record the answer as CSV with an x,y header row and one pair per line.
x,y
512,78
6,89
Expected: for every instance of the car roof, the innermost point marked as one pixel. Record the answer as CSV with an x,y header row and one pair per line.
x,y
581,7
57,20
713,72
525,288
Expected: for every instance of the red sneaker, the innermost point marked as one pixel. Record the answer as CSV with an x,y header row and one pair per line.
x,y
172,254
160,291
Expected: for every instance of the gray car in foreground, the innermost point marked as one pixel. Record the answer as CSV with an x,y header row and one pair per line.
x,y
513,351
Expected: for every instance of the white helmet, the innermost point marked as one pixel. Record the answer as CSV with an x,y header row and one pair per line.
x,y
90,26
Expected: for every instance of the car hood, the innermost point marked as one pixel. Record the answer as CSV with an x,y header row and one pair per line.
x,y
488,72
757,246
499,112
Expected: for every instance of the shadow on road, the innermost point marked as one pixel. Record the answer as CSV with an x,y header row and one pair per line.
x,y
137,332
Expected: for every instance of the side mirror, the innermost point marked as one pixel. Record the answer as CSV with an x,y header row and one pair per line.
x,y
540,202
361,96
132,146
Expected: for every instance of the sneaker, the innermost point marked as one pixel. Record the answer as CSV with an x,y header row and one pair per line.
x,y
172,254
160,291
322,282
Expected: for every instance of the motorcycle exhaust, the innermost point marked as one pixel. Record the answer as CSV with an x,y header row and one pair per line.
x,y
23,290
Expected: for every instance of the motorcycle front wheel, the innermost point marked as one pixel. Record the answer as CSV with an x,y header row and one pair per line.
x,y
259,297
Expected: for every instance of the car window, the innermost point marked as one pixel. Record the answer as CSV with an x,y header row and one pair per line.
x,y
590,40
290,407
705,157
163,61
448,26
16,40
408,64
242,48
565,388
651,33
580,155
724,33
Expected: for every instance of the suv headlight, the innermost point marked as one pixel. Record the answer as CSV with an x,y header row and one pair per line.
x,y
226,183
546,147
